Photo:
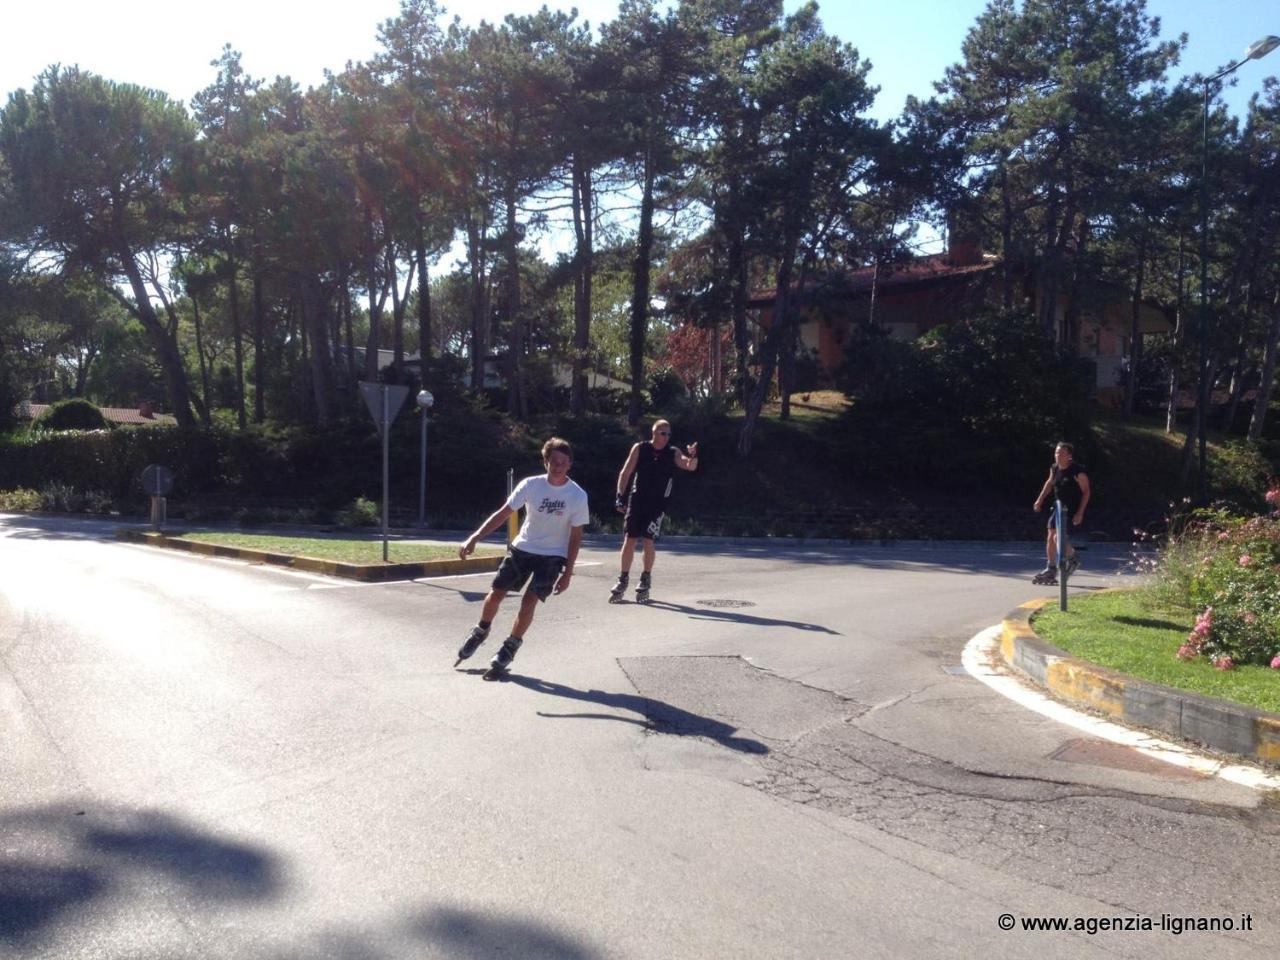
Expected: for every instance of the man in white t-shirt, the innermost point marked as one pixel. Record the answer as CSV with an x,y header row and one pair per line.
x,y
544,551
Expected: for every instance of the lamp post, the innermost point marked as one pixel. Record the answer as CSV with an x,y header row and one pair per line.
x,y
425,403
1256,51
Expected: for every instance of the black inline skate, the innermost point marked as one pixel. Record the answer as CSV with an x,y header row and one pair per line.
x,y
642,588
477,636
619,588
1048,577
501,661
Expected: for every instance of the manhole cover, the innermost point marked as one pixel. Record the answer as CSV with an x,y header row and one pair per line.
x,y
724,603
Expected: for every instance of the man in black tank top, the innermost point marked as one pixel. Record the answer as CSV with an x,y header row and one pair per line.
x,y
643,487
1069,483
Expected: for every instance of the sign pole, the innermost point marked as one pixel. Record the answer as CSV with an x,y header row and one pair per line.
x,y
1060,523
386,471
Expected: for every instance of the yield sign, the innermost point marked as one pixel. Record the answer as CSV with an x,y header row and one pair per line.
x,y
383,412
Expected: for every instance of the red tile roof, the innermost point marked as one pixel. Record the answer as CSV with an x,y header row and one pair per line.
x,y
920,270
122,415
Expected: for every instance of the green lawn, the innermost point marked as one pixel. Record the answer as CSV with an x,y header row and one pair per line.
x,y
1129,633
343,549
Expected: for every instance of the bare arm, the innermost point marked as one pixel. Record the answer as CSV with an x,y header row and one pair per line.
x,y
1083,480
575,541
1044,492
628,468
689,459
496,519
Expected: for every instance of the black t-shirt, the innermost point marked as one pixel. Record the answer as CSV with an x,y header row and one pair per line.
x,y
1066,487
654,472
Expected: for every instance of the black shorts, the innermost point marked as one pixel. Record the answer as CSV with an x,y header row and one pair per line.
x,y
642,522
519,565
1052,525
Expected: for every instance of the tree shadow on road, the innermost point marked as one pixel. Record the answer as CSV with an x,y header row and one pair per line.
x,y
58,860
746,619
467,933
660,717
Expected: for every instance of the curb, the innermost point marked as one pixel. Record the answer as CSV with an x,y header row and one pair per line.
x,y
1218,724
366,573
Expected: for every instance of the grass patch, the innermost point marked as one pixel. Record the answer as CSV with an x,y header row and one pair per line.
x,y
1131,633
343,549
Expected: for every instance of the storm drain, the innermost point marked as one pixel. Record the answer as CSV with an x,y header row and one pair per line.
x,y
1100,753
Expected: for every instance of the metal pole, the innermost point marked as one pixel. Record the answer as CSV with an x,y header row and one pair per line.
x,y
1060,526
1206,393
386,472
422,474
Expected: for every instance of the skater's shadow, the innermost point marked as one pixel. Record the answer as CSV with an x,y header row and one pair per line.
x,y
659,716
711,613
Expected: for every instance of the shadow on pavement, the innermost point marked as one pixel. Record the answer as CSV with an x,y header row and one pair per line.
x,y
58,860
466,933
1013,558
21,527
662,717
747,619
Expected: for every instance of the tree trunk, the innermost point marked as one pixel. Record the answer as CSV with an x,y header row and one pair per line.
x,y
424,300
516,404
1267,384
164,343
1179,334
1135,328
479,320
640,287
582,282
233,291
204,367
738,278
259,361
317,331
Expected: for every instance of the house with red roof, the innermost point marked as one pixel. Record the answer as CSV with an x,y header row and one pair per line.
x,y
909,299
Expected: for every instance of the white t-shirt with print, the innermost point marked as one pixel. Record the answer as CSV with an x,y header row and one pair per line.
x,y
550,513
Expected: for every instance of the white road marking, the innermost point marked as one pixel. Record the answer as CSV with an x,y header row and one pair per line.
x,y
982,653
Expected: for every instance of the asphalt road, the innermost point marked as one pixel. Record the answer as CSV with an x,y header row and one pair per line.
x,y
203,758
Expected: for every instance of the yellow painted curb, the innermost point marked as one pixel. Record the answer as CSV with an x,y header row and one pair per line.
x,y
1267,732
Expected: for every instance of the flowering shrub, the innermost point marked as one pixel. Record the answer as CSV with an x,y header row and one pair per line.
x,y
1228,569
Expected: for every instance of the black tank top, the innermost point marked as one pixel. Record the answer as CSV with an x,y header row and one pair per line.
x,y
654,472
1066,487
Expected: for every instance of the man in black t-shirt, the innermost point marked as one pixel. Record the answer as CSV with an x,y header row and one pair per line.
x,y
649,473
1069,483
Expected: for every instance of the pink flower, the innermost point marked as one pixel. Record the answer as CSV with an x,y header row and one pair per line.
x,y
1273,495
1224,663
1250,617
1245,559
1189,652
1275,662
1223,536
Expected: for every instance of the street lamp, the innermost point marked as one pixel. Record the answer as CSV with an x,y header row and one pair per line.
x,y
425,402
1256,51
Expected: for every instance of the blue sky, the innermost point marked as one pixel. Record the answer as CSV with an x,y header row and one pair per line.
x,y
168,46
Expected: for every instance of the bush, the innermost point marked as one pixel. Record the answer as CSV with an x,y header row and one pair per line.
x,y
72,414
1226,568
19,501
971,406
360,513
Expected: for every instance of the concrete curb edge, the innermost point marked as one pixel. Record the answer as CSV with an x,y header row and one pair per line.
x,y
380,573
1218,724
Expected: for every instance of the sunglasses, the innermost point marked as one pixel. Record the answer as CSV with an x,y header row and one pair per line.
x,y
664,433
